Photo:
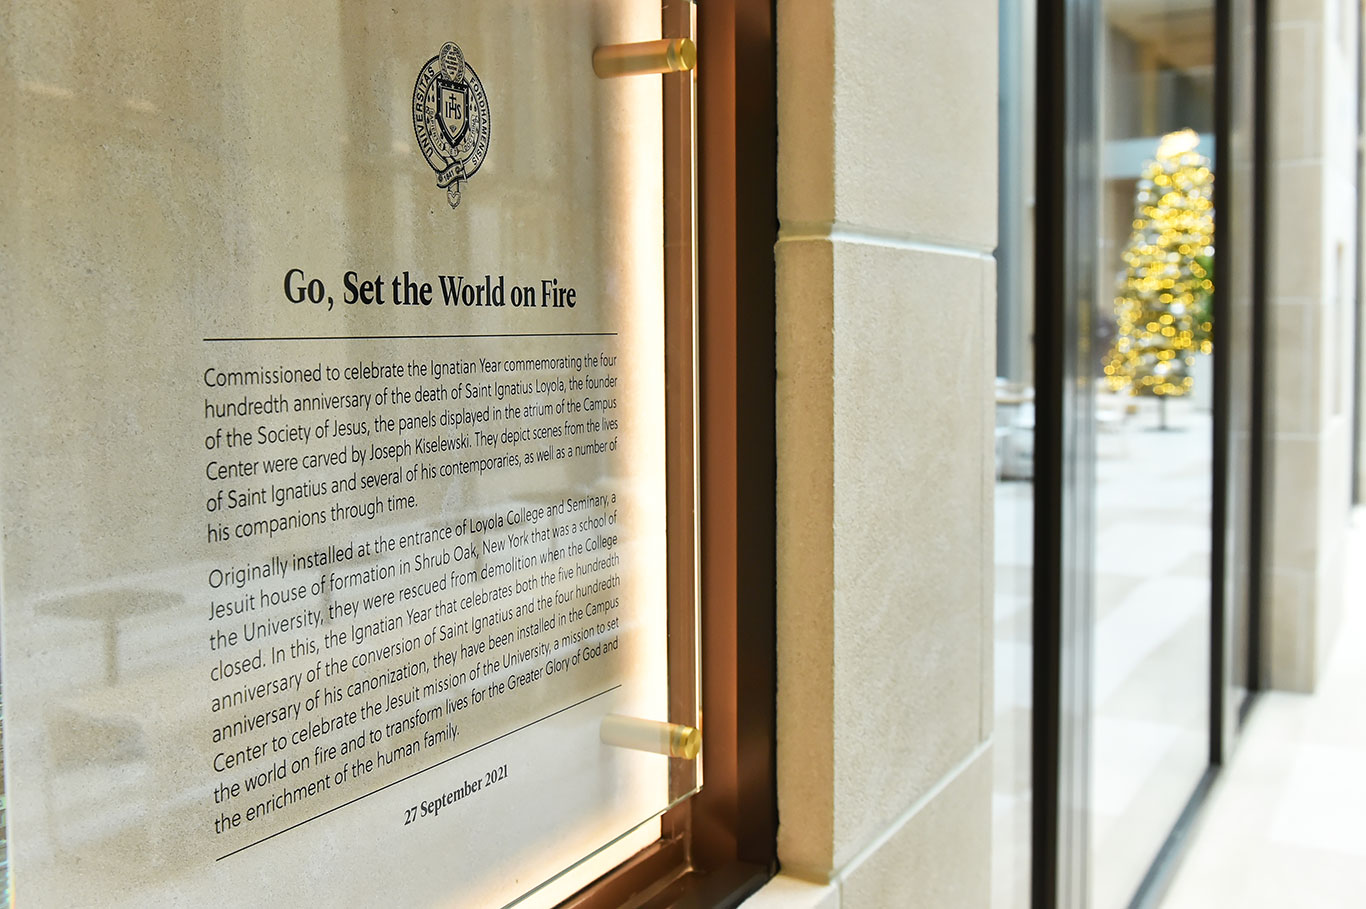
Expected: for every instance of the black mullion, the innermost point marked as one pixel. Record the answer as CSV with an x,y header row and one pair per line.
x,y
1223,371
1050,263
1259,543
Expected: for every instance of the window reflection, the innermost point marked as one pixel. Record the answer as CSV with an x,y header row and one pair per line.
x,y
1154,400
1014,499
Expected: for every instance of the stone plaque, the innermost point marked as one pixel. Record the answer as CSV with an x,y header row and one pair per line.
x,y
333,484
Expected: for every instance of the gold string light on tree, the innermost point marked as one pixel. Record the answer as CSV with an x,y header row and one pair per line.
x,y
1162,307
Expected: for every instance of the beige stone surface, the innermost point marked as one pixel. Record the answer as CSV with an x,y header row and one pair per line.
x,y
1296,328
1309,11
1310,276
1334,517
1295,539
886,298
1297,86
805,565
939,858
806,115
1339,343
1297,206
915,119
987,551
785,892
882,535
1329,589
1335,457
911,456
1290,632
897,104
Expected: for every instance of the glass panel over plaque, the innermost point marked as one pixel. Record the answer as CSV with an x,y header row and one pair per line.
x,y
333,453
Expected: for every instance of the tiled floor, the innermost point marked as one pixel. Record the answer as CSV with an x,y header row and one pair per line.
x,y
1286,822
1014,654
1150,650
1150,640
1286,825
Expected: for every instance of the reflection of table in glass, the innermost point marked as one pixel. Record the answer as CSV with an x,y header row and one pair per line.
x,y
113,780
109,607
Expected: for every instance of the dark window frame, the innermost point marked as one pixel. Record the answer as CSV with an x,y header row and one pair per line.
x,y
1065,159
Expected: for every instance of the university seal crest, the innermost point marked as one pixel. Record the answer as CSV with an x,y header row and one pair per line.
x,y
451,119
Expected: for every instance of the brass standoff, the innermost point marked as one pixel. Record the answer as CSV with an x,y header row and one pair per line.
x,y
673,739
667,55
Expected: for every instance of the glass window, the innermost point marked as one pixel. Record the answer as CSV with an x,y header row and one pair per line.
x,y
1012,798
1154,340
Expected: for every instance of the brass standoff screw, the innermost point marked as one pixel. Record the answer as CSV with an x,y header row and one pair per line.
x,y
667,55
672,739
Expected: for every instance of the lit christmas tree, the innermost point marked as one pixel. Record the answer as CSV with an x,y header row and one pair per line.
x,y
1162,307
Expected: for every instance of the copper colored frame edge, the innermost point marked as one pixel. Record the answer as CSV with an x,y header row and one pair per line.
x,y
721,845
735,817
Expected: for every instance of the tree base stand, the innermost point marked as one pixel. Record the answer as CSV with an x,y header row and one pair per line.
x,y
1162,423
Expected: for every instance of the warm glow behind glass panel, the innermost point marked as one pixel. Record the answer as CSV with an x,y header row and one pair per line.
x,y
323,602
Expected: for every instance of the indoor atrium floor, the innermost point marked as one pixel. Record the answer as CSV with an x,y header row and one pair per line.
x,y
1283,824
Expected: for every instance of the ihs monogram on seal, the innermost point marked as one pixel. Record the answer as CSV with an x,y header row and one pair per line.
x,y
451,118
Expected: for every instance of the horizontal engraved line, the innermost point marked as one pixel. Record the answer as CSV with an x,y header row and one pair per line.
x,y
823,877
846,233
